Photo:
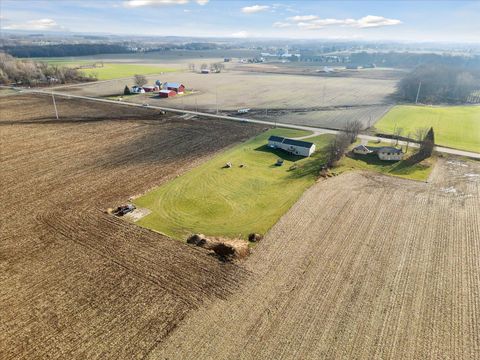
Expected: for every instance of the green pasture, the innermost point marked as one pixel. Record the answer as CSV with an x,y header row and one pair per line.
x,y
109,70
454,126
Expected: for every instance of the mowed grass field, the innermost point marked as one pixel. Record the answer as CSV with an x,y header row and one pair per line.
x,y
111,71
455,126
232,202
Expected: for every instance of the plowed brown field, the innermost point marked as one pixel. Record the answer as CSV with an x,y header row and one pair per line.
x,y
76,283
362,267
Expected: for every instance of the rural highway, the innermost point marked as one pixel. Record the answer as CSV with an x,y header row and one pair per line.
x,y
315,130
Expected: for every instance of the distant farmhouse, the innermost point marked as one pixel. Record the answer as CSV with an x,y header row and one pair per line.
x,y
387,153
296,147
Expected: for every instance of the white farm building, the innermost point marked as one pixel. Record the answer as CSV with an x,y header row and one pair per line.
x,y
295,147
384,153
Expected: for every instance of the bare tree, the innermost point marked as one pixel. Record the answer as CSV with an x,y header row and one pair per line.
x,y
420,134
204,66
352,129
191,67
217,67
397,133
336,148
140,80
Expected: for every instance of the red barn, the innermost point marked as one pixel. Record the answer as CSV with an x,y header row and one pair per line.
x,y
166,93
149,88
177,87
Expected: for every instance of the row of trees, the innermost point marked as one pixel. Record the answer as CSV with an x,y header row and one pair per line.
x,y
26,51
32,73
214,67
432,84
412,60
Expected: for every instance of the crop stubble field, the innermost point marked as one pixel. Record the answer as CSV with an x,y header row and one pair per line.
x,y
323,101
364,266
74,281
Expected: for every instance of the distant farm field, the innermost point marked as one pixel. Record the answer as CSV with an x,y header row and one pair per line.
x,y
114,71
295,99
233,201
454,126
111,71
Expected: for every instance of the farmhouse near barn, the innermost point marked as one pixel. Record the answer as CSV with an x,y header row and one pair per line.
x,y
177,87
166,93
384,153
296,147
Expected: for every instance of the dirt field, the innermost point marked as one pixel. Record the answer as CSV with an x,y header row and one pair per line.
x,y
362,267
320,99
76,283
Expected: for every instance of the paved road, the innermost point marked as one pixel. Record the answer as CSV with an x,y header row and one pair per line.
x,y
315,130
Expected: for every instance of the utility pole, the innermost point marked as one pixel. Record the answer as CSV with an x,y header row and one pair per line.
x,y
418,92
216,98
55,106
196,105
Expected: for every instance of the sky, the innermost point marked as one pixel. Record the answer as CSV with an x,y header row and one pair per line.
x,y
400,20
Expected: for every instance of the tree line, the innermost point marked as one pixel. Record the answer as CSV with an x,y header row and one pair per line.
x,y
34,73
59,50
412,60
435,83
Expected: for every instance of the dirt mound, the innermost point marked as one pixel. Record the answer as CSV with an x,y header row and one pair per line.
x,y
254,237
225,249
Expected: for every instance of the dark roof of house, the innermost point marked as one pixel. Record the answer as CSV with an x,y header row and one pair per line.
x,y
362,147
390,149
173,84
299,143
276,138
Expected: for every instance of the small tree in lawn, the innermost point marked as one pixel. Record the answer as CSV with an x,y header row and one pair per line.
x,y
140,80
126,91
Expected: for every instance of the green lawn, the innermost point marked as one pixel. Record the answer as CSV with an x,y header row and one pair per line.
x,y
237,201
109,70
454,126
114,71
419,171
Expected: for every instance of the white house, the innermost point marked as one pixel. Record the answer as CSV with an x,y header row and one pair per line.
x,y
362,150
384,153
390,153
137,90
295,147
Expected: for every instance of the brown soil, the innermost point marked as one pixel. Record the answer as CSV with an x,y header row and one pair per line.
x,y
75,282
364,266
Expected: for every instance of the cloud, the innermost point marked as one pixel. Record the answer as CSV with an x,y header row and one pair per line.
x,y
303,18
280,24
40,24
376,21
255,9
241,34
310,22
202,2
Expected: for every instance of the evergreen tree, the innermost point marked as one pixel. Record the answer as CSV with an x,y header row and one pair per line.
x,y
126,91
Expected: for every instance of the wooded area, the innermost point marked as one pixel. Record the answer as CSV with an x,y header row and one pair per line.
x,y
33,73
433,84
